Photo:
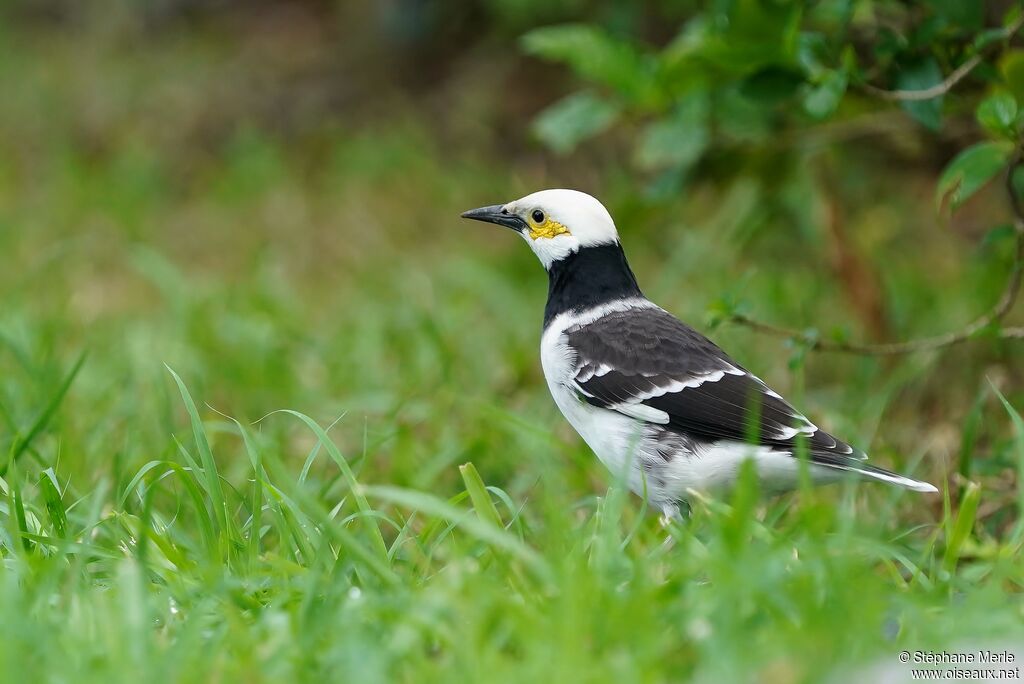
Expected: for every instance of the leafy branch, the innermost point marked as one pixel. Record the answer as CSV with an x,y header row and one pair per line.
x,y
967,173
746,78
957,75
988,320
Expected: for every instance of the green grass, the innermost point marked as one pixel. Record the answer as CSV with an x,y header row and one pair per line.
x,y
354,471
179,574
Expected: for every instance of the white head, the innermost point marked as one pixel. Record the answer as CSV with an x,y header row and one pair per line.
x,y
555,223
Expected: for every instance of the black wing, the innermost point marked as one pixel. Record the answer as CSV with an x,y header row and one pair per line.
x,y
647,364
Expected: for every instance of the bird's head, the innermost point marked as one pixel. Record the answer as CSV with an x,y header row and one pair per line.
x,y
555,223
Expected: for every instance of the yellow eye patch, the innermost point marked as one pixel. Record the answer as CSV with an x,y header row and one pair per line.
x,y
546,229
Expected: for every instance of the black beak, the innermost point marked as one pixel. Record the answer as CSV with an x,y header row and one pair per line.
x,y
496,214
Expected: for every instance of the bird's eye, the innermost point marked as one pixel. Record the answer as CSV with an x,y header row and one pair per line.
x,y
537,216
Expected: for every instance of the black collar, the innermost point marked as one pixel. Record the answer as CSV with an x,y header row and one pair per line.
x,y
588,277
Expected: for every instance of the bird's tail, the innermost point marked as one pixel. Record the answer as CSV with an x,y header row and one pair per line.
x,y
883,475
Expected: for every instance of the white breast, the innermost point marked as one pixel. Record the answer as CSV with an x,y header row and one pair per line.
x,y
613,437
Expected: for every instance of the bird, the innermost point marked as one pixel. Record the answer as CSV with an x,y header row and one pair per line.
x,y
657,402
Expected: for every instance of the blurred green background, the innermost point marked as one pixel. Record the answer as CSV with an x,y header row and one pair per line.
x,y
265,195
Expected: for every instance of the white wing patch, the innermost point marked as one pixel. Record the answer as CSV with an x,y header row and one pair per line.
x,y
590,371
680,385
805,426
643,412
790,432
634,406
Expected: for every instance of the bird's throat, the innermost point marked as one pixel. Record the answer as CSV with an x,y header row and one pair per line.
x,y
588,277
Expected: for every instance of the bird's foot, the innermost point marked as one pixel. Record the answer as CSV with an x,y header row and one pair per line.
x,y
670,514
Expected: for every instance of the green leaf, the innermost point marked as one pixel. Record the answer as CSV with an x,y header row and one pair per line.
x,y
1012,68
1017,181
678,140
963,14
997,113
573,119
771,85
921,75
970,171
822,100
1000,234
987,37
665,185
741,120
690,40
597,56
812,53
750,35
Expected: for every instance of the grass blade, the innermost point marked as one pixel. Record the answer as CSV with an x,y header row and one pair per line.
x,y
223,520
469,523
17,505
962,527
189,479
54,502
21,444
1018,428
478,494
350,478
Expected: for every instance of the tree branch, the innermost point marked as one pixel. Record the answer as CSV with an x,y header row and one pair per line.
x,y
945,86
993,316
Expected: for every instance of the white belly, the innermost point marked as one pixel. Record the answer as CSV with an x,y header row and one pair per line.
x,y
614,438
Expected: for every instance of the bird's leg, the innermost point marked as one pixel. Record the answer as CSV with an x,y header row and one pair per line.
x,y
677,511
670,513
